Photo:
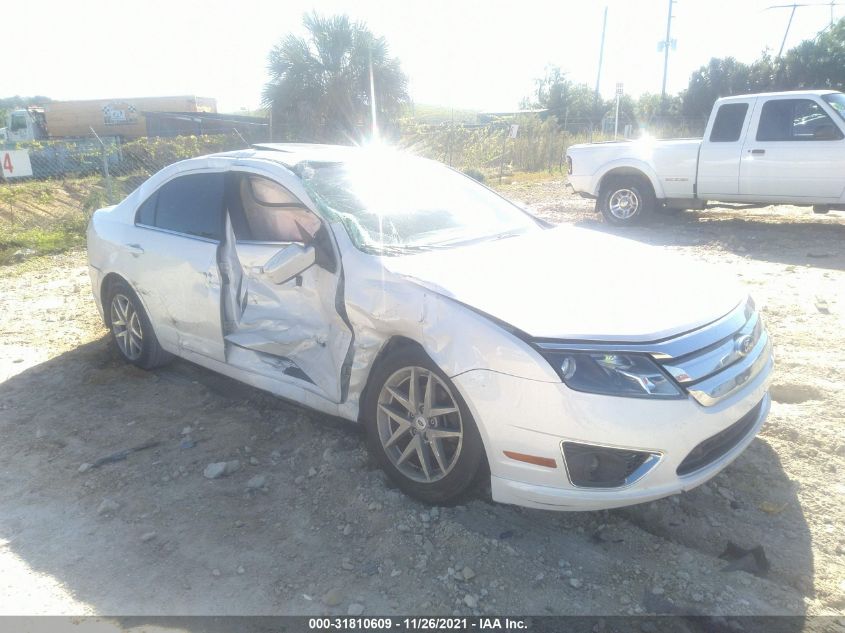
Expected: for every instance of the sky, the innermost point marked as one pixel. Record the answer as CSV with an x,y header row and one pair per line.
x,y
461,53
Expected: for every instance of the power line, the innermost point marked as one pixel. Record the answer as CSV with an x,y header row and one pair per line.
x,y
795,6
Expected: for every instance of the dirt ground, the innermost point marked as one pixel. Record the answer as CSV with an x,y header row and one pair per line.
x,y
323,532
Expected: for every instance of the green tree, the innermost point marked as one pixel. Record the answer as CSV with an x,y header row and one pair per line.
x,y
319,88
816,63
719,78
574,105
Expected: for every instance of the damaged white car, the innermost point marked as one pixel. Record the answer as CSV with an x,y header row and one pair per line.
x,y
575,369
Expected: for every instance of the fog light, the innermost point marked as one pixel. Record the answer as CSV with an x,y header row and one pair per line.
x,y
591,466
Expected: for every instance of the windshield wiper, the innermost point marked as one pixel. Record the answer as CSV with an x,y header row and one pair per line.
x,y
504,236
397,249
481,238
405,249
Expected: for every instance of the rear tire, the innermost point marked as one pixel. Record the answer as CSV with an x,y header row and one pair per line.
x,y
626,201
426,440
131,330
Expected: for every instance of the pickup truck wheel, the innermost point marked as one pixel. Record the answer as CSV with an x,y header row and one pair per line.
x,y
626,201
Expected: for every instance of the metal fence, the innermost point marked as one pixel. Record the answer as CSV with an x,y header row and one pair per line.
x,y
105,156
47,185
529,142
58,181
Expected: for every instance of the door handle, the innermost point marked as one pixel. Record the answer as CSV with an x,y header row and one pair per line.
x,y
135,249
757,151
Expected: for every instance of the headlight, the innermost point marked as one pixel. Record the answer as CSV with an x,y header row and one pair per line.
x,y
632,375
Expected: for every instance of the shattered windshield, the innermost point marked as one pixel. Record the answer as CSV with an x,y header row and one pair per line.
x,y
400,204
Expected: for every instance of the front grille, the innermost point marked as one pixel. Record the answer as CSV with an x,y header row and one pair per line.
x,y
718,445
713,372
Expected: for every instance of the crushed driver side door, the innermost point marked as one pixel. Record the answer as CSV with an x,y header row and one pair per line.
x,y
295,331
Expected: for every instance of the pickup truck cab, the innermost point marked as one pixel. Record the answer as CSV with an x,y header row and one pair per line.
x,y
773,148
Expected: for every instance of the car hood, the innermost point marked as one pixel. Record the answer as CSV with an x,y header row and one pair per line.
x,y
576,283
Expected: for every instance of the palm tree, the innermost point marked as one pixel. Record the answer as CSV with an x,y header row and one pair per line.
x,y
319,88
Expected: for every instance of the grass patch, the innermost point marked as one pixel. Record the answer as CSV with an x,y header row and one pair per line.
x,y
40,241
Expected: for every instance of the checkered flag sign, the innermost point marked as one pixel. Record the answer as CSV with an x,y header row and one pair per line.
x,y
119,113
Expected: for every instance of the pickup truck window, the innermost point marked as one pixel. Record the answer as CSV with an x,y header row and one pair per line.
x,y
795,120
837,102
728,124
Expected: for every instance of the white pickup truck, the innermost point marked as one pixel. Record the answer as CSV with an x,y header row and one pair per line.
x,y
774,148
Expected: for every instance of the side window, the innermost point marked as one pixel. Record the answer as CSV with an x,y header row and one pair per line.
x,y
18,121
795,120
728,124
271,213
147,211
191,204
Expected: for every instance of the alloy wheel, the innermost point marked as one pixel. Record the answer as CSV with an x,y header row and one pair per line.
x,y
624,203
419,424
126,327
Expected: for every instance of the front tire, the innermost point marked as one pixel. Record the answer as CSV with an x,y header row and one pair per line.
x,y
626,201
419,429
131,330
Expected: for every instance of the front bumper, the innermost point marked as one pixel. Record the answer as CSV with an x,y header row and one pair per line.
x,y
582,185
530,417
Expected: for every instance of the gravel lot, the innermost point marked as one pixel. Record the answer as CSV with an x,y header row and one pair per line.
x,y
305,525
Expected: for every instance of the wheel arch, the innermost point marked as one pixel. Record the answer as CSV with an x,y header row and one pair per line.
x,y
397,343
391,346
105,286
640,172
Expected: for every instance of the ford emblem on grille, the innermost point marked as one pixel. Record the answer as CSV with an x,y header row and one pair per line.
x,y
744,344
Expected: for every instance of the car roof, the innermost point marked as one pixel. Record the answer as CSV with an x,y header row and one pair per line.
x,y
290,154
787,93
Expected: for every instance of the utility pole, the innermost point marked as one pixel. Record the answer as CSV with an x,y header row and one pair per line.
x,y
795,6
786,33
616,124
598,74
373,100
666,44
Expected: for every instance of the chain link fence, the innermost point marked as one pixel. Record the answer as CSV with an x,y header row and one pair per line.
x,y
50,188
529,143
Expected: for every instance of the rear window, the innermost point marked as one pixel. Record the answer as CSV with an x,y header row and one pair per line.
x,y
728,124
191,204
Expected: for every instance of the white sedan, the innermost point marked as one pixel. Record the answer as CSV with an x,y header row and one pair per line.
x,y
575,369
